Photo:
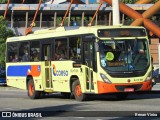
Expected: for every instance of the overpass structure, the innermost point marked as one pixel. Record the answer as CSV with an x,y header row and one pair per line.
x,y
20,16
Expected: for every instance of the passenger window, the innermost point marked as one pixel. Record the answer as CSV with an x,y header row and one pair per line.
x,y
12,52
61,50
24,52
35,51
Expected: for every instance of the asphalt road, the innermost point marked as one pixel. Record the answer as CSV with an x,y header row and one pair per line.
x,y
99,107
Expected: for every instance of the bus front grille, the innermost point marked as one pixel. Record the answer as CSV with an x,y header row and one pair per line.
x,y
122,88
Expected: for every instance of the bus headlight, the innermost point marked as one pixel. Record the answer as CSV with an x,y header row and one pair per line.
x,y
149,77
104,78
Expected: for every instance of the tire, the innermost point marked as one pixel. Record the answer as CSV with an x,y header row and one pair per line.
x,y
32,93
77,92
122,96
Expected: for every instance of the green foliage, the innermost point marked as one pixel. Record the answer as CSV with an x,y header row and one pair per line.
x,y
154,1
128,1
133,1
3,1
4,34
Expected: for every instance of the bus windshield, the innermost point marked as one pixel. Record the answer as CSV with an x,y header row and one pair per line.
x,y
124,55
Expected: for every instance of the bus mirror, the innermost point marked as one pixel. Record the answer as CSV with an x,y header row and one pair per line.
x,y
96,47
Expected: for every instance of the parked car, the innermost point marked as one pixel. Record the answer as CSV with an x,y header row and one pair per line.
x,y
2,75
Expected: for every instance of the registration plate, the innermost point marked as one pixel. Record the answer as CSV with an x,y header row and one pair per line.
x,y
129,89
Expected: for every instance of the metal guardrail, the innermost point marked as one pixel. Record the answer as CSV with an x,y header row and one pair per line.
x,y
48,24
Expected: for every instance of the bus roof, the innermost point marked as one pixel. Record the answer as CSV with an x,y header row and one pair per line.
x,y
64,31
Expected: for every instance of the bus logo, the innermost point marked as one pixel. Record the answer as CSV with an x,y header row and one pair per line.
x,y
59,72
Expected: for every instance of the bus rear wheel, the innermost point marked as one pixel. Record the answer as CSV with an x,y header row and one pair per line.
x,y
32,93
77,92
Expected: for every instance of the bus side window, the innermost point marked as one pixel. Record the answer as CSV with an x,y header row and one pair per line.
x,y
61,50
24,55
35,51
15,59
12,52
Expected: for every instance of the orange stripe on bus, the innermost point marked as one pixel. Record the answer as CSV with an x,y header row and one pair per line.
x,y
34,71
110,88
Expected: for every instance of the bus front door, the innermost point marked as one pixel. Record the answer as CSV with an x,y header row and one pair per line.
x,y
46,56
88,62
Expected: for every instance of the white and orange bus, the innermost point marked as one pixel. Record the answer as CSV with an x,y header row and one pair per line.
x,y
80,61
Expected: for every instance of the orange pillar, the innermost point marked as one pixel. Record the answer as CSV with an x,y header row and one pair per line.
x,y
29,29
152,27
148,13
152,10
5,13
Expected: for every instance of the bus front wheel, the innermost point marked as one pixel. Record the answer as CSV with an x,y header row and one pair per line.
x,y
77,92
32,93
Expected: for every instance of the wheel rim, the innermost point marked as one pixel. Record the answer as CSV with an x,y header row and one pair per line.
x,y
78,90
31,89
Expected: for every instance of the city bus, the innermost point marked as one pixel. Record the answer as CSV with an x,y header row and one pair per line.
x,y
80,61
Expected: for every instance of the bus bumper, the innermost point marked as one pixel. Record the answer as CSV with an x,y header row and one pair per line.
x,y
128,87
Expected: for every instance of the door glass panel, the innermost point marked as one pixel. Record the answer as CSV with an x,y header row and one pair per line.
x,y
88,54
47,58
75,48
46,53
88,61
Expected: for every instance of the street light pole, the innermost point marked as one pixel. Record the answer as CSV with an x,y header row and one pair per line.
x,y
115,11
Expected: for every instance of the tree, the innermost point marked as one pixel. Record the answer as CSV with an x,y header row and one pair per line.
x,y
5,32
3,1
